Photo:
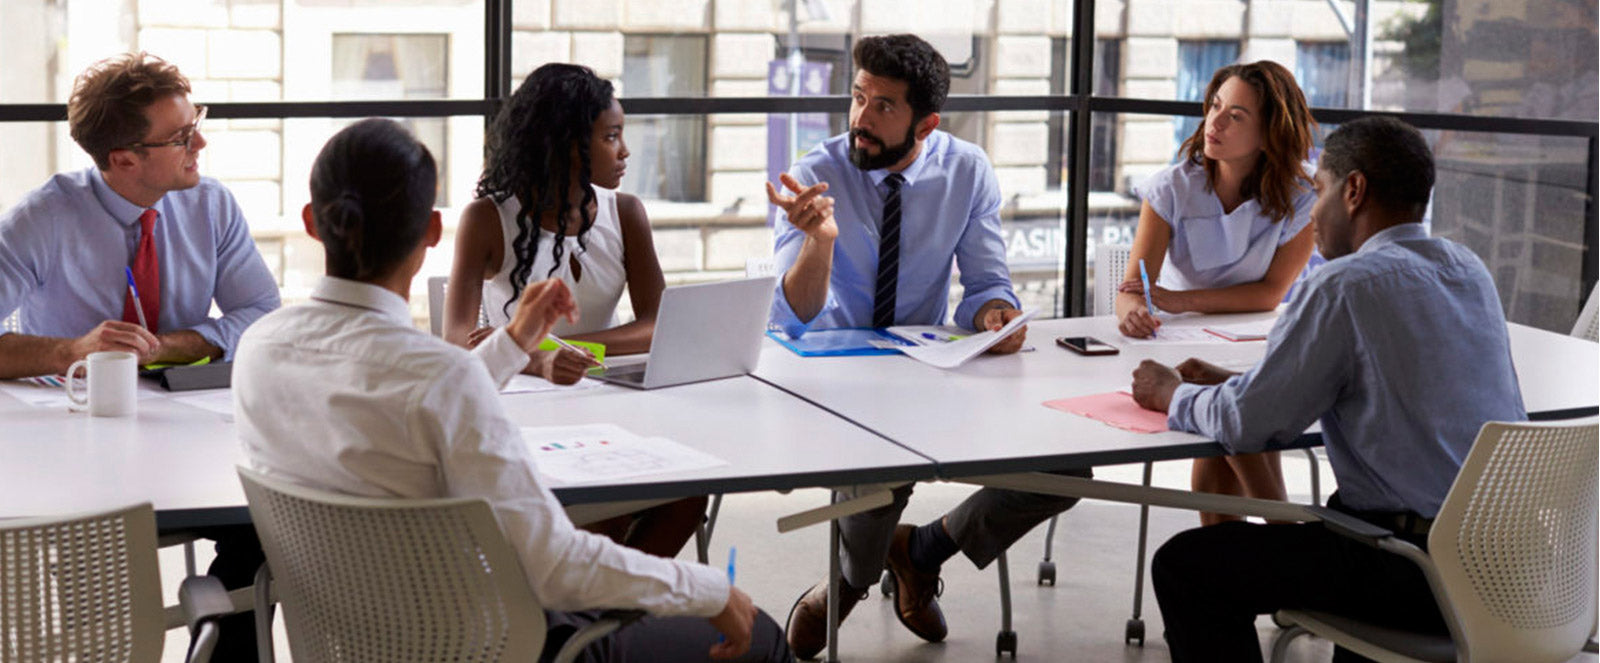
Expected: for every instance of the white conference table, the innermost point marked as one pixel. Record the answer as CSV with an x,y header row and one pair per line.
x,y
986,416
181,458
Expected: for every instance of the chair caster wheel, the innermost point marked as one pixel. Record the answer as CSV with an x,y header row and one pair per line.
x,y
1133,631
1047,574
886,586
1006,643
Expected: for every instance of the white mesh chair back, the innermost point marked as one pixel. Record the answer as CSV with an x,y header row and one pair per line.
x,y
1110,265
1514,542
436,290
1588,324
393,580
81,588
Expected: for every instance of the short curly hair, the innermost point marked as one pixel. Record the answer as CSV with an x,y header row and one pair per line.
x,y
908,58
106,109
1392,154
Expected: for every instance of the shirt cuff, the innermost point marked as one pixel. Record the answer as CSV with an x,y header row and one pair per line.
x,y
502,356
783,317
1180,412
710,591
968,308
211,332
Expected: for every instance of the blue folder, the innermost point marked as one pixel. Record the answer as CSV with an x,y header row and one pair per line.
x,y
848,342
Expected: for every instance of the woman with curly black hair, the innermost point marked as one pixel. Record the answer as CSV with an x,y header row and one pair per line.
x,y
547,208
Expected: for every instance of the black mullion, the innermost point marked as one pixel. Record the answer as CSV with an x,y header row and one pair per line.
x,y
1590,229
1078,147
496,56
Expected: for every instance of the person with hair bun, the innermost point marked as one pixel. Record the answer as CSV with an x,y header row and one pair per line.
x,y
382,409
1229,222
548,207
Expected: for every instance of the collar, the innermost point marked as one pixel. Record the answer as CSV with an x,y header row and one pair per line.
x,y
1392,234
335,290
913,171
125,212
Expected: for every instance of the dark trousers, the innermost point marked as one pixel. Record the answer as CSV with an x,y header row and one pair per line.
x,y
984,525
663,639
1212,582
238,556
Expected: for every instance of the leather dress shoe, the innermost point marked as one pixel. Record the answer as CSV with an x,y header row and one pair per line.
x,y
916,594
808,619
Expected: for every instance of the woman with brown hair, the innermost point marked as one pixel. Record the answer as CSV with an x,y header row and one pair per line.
x,y
1231,221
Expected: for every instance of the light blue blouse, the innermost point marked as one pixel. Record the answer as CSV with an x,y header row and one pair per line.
x,y
1210,248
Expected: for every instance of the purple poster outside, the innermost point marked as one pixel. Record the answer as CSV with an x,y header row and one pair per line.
x,y
810,128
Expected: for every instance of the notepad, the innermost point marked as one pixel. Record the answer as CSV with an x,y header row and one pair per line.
x,y
1244,331
1116,408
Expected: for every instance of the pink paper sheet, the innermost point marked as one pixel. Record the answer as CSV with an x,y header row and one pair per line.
x,y
1114,408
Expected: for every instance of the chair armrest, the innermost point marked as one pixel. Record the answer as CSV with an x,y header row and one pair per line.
x,y
203,598
1351,527
609,622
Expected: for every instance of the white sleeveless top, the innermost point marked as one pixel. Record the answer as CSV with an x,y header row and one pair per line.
x,y
603,274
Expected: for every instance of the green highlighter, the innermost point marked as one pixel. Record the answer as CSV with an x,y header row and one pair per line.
x,y
596,349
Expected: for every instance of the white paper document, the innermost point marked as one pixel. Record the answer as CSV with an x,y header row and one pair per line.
x,y
1170,335
523,383
46,392
957,352
607,452
219,401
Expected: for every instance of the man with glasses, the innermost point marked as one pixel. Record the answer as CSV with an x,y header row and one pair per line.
x,y
67,248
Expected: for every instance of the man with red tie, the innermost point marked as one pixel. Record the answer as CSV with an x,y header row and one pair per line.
x,y
67,247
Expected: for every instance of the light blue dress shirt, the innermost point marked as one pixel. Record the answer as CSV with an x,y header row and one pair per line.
x,y
1400,349
64,246
949,213
1211,248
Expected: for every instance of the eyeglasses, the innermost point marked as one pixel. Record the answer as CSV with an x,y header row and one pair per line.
x,y
185,138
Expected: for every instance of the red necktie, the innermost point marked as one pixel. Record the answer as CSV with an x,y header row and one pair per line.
x,y
146,274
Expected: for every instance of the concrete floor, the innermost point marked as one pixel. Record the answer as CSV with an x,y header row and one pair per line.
x,y
1080,619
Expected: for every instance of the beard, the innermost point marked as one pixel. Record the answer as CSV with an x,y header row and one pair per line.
x,y
887,155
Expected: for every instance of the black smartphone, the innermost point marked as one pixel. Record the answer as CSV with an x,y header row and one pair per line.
x,y
1087,345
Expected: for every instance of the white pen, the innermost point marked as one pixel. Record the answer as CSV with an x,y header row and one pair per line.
x,y
573,348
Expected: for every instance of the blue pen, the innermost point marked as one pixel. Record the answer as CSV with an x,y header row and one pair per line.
x,y
138,306
1144,278
733,553
930,337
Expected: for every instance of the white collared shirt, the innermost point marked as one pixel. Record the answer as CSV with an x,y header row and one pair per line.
x,y
343,394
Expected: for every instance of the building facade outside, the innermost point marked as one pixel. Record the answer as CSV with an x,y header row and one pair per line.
x,y
1517,200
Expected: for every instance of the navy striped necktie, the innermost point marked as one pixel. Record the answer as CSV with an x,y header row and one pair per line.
x,y
888,255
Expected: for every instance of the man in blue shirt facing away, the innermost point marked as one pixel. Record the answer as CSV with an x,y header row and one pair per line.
x,y
847,261
65,247
1399,346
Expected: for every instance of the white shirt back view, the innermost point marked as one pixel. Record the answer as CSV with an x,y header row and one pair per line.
x,y
343,394
603,276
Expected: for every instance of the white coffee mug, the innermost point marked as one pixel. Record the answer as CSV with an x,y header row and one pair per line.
x,y
113,384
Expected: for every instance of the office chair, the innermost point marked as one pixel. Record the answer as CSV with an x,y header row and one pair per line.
x,y
1588,323
88,587
368,579
1510,560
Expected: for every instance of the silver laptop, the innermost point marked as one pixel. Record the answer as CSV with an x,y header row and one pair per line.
x,y
703,332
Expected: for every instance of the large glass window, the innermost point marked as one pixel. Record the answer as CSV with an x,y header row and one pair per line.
x,y
668,159
1323,71
368,66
